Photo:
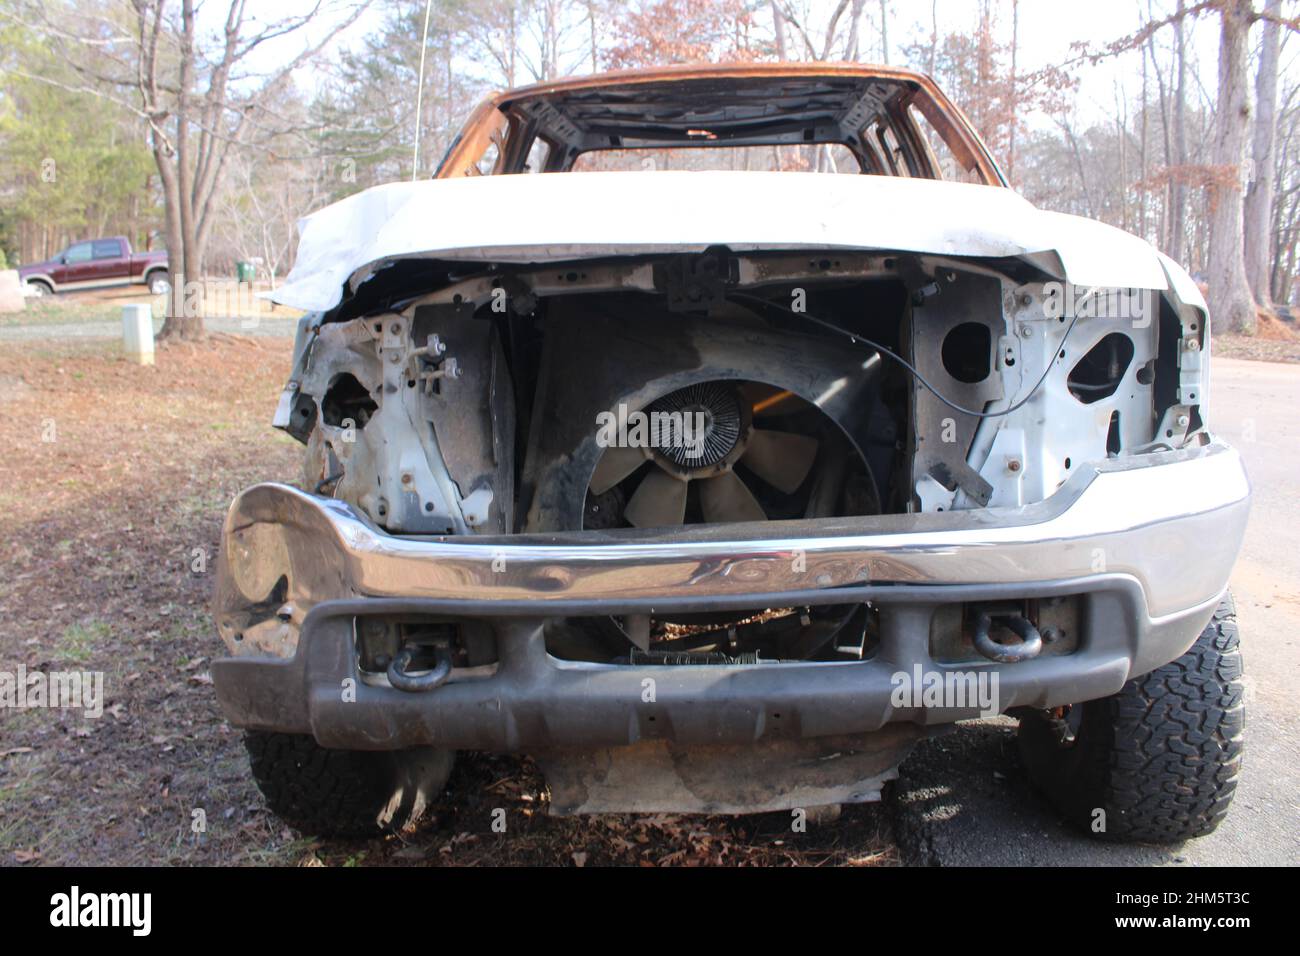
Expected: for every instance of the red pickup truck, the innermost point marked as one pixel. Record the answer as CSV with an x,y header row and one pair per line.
x,y
94,263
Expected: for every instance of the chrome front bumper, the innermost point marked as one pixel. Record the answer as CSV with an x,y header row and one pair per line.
x,y
1148,542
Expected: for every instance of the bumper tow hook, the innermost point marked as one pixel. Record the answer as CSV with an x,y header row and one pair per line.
x,y
413,683
1031,642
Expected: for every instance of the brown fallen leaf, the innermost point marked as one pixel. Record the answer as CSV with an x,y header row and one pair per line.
x,y
27,856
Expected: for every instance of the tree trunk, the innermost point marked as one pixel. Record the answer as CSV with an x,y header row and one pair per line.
x,y
884,33
1231,304
1014,118
778,28
934,34
1143,194
1178,193
1259,194
185,304
851,48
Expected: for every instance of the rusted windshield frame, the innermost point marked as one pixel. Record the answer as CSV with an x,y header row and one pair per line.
x,y
493,122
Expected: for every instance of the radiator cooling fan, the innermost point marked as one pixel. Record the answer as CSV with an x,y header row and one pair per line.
x,y
699,476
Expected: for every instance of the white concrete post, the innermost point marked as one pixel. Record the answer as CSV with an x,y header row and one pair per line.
x,y
137,333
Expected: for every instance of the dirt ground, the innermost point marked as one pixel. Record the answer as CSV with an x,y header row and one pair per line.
x,y
116,479
1274,341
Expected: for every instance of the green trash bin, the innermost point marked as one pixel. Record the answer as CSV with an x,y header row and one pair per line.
x,y
244,272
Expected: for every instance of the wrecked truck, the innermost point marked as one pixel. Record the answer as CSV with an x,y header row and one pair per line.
x,y
685,422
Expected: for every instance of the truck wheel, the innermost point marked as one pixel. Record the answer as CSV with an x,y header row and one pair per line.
x,y
159,283
1157,762
39,290
357,793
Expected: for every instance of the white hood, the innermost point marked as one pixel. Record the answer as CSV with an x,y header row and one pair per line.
x,y
557,216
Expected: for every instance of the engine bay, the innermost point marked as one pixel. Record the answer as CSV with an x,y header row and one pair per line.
x,y
614,396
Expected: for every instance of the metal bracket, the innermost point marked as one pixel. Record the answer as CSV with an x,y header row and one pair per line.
x,y
430,367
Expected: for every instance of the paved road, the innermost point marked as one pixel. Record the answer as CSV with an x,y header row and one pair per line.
x,y
962,799
113,330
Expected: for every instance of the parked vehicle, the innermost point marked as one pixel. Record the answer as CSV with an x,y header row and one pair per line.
x,y
96,263
715,483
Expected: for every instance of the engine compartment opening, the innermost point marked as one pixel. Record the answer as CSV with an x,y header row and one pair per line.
x,y
967,352
1098,374
665,395
347,401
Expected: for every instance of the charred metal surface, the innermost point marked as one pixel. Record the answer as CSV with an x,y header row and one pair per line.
x,y
601,353
473,414
942,437
738,104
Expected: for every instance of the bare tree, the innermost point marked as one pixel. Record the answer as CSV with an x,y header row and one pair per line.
x,y
884,32
778,28
934,33
199,104
812,49
1259,192
1015,102
1230,300
191,169
1178,189
851,46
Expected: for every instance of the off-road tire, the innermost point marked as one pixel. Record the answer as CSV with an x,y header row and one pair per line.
x,y
1161,757
353,793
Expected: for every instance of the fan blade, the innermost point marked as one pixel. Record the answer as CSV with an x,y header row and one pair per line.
x,y
615,465
659,501
782,459
724,499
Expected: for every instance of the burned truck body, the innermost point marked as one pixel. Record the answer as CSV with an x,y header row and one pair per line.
x,y
918,426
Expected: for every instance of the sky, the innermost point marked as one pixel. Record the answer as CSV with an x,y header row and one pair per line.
x,y
1047,29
